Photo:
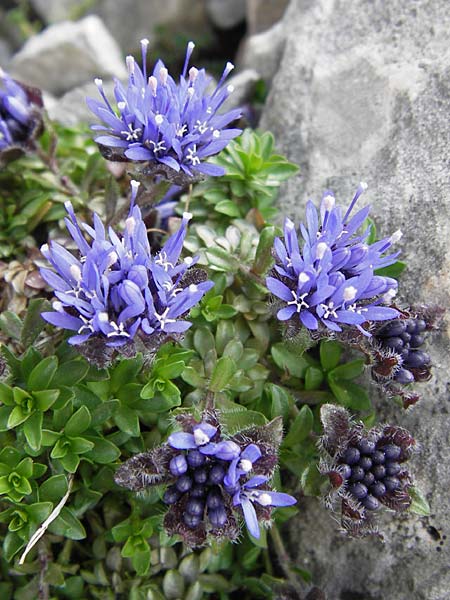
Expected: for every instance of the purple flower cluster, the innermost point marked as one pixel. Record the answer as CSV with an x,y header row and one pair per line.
x,y
20,116
211,479
160,121
116,288
331,282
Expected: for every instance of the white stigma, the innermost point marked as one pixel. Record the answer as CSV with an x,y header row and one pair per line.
x,y
159,119
75,271
153,84
191,46
350,293
190,91
130,225
396,236
193,288
130,64
188,261
363,185
145,42
121,106
134,185
112,258
163,74
228,68
303,278
98,82
193,74
246,465
187,216
103,317
216,133
230,89
329,202
58,306
321,249
289,224
44,248
264,499
200,437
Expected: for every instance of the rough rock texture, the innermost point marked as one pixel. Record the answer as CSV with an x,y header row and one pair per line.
x,y
226,15
86,46
263,51
363,93
71,109
262,14
53,11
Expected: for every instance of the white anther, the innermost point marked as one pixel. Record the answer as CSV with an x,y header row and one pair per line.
x,y
200,437
350,293
145,42
191,46
216,133
264,499
289,224
112,258
190,91
135,185
363,185
58,306
193,74
246,465
44,248
321,249
103,317
187,216
75,271
396,236
188,261
329,202
98,82
230,89
130,64
130,225
193,288
163,74
159,119
121,106
153,84
303,278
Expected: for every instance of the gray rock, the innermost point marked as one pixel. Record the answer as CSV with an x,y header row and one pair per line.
x,y
363,93
53,11
68,54
131,20
71,109
262,14
244,84
5,53
226,14
263,52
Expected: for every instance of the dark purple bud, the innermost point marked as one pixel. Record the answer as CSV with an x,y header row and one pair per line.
x,y
379,471
370,502
406,337
171,495
393,328
378,457
184,483
366,446
393,468
216,474
195,458
369,478
346,471
391,483
417,340
178,465
404,376
201,475
214,499
378,489
197,491
191,520
358,490
357,473
396,343
194,506
365,462
351,456
417,358
411,326
392,451
217,516
420,326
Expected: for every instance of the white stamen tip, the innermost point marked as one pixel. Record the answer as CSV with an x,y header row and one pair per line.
x,y
193,288
229,67
190,91
187,216
230,89
103,317
121,105
159,119
58,306
216,133
191,46
396,236
200,437
303,278
350,293
135,184
289,224
329,202
75,271
321,249
193,73
363,185
112,258
130,64
246,465
264,499
98,82
44,248
153,84
130,224
144,42
188,261
163,74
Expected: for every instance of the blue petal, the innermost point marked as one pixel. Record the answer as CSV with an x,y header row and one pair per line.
x,y
279,498
251,520
181,440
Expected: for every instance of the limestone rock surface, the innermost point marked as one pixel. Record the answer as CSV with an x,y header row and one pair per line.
x,y
363,93
85,45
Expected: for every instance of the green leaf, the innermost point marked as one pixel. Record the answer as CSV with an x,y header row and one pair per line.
x,y
293,364
103,452
80,445
301,427
372,237
67,525
78,422
221,260
227,207
141,562
32,430
11,324
238,420
166,400
170,370
125,372
350,394
330,354
53,489
203,341
39,511
41,376
33,323
122,531
394,270
311,480
313,378
349,370
11,546
419,504
70,462
280,400
6,395
223,371
70,373
263,257
16,417
45,399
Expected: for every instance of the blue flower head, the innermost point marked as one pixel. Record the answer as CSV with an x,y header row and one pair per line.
x,y
159,121
116,289
20,114
331,281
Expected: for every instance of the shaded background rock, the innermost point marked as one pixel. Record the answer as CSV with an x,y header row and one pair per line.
x,y
362,92
68,54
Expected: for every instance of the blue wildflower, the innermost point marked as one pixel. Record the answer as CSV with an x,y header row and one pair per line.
x,y
20,113
331,281
116,289
163,122
248,494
